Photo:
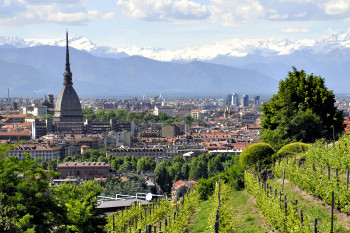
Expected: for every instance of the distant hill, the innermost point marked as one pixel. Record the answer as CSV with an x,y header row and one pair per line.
x,y
38,70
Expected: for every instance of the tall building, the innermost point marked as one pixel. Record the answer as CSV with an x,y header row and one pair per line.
x,y
257,100
68,115
235,99
68,108
232,99
245,100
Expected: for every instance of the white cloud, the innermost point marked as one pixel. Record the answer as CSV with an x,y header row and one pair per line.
x,y
336,7
307,9
294,30
19,12
232,12
163,10
110,15
278,16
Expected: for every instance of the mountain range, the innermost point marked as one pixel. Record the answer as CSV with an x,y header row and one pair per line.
x,y
35,67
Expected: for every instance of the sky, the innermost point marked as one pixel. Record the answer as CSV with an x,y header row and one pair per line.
x,y
173,24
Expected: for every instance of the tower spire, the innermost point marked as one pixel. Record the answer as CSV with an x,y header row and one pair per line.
x,y
67,53
67,73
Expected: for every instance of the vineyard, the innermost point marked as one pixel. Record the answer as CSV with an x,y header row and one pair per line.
x,y
304,192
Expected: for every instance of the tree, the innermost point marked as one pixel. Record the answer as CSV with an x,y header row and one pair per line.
x,y
146,164
302,110
79,203
48,116
214,167
163,177
198,169
133,185
25,203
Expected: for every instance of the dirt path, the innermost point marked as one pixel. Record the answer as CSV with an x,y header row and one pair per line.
x,y
342,218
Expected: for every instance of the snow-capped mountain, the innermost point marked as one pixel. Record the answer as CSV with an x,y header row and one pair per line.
x,y
231,63
234,48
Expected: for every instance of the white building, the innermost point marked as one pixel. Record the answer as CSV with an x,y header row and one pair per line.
x,y
40,111
164,109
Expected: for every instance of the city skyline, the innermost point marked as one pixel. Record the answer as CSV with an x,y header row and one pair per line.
x,y
121,23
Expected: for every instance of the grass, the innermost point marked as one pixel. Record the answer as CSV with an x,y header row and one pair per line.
x,y
200,218
247,218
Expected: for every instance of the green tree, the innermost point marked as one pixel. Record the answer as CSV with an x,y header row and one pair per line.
x,y
214,167
121,114
185,170
48,116
302,110
146,164
198,169
163,177
133,185
25,205
79,203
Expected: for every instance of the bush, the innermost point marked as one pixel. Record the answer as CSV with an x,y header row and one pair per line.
x,y
259,153
235,176
292,149
206,187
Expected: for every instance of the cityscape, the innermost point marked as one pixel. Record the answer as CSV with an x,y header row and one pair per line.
x,y
182,116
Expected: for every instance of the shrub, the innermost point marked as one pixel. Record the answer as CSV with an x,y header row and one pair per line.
x,y
292,149
206,187
259,153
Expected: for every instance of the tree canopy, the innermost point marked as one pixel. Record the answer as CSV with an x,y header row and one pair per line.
x,y
124,115
302,110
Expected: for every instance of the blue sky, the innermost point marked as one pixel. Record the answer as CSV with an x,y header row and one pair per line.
x,y
173,24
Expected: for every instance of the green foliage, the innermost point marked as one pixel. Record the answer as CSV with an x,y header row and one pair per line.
x,y
23,194
163,177
302,110
316,182
292,149
133,185
146,164
274,211
48,116
258,153
235,176
152,215
214,167
206,187
123,115
79,204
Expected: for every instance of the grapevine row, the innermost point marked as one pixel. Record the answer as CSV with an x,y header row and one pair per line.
x,y
316,182
280,213
165,215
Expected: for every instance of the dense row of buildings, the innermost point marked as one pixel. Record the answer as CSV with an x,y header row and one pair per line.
x,y
53,128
